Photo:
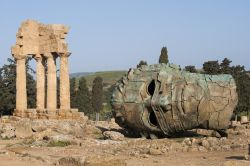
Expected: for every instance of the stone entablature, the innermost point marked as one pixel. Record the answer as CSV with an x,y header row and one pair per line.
x,y
44,43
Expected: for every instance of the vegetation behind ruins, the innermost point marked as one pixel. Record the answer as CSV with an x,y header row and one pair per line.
x,y
81,86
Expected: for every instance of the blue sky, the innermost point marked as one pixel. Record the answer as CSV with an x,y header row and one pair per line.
x,y
117,34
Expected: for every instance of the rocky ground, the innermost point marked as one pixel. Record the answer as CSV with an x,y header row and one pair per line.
x,y
27,142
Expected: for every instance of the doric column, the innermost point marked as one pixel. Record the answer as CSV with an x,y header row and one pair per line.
x,y
51,82
21,93
64,82
40,82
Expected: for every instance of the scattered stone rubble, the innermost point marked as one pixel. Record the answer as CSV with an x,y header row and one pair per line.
x,y
107,139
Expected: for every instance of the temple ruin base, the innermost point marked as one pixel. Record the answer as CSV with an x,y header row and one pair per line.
x,y
48,114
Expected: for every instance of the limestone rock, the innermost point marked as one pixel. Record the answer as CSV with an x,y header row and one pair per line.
x,y
213,141
23,129
39,125
70,127
243,119
116,136
187,141
61,138
7,131
205,144
153,151
43,134
202,149
71,161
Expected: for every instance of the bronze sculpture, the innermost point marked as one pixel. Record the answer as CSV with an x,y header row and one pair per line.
x,y
163,99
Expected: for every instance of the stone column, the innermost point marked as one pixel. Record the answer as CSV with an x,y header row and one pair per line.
x,y
40,83
64,82
51,83
21,93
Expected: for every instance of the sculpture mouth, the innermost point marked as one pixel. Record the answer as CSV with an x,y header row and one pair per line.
x,y
152,119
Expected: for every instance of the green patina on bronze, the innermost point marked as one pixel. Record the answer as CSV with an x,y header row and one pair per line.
x,y
162,98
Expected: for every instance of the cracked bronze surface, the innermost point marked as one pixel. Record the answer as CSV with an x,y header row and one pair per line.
x,y
164,99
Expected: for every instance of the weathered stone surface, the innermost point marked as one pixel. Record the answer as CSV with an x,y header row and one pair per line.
x,y
45,134
62,138
36,38
39,125
7,131
45,43
153,151
51,87
70,127
71,161
23,129
205,144
40,88
243,119
64,83
21,94
113,135
102,161
164,99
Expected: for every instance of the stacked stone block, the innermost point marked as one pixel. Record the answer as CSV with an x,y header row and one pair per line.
x,y
45,43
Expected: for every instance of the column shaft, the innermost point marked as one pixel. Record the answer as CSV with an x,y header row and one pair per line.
x,y
40,84
21,93
64,83
51,84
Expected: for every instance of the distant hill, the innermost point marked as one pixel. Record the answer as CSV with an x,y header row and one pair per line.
x,y
109,77
80,74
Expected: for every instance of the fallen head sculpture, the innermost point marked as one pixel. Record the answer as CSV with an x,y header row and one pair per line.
x,y
162,99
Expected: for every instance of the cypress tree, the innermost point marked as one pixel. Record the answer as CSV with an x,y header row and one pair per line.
x,y
164,55
83,98
97,96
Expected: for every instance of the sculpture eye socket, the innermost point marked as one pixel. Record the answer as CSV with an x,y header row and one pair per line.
x,y
153,119
151,88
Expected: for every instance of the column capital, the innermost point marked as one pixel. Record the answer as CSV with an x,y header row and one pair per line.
x,y
19,57
66,54
38,57
50,55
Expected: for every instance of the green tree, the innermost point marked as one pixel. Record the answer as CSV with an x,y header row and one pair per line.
x,y
83,97
242,81
142,63
164,55
73,92
191,69
225,66
211,67
8,87
106,114
97,96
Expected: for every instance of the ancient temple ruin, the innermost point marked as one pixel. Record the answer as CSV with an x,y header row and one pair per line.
x,y
44,43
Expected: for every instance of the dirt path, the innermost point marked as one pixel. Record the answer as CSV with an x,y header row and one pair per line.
x,y
193,158
40,156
